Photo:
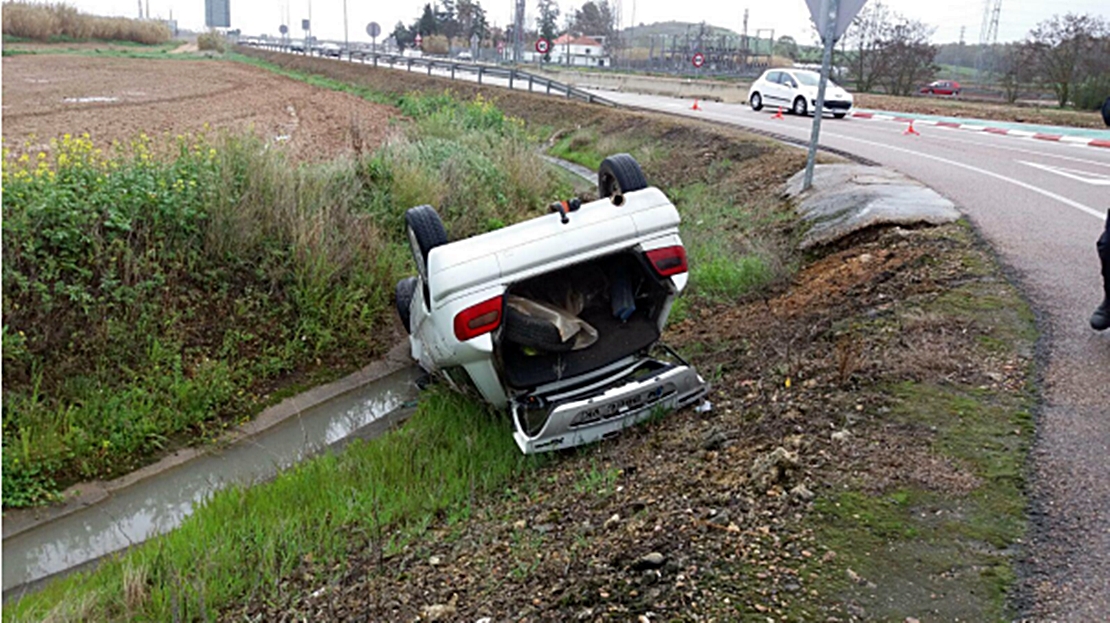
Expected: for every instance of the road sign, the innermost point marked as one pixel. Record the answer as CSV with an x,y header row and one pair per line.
x,y
373,29
845,12
543,46
699,59
283,29
419,40
304,24
500,47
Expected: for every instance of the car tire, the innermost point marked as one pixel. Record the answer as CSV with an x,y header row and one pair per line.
x,y
425,232
403,296
840,115
619,174
524,330
756,102
800,107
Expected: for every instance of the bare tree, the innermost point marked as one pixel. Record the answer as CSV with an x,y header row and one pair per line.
x,y
1061,46
1018,69
883,48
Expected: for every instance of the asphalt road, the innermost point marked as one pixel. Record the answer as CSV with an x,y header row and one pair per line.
x,y
1041,205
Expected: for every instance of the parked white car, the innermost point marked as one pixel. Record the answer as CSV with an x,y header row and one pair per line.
x,y
796,90
557,318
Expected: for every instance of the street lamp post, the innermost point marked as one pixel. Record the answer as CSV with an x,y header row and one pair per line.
x,y
346,40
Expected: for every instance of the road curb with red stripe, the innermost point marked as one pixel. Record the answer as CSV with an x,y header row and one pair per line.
x,y
979,126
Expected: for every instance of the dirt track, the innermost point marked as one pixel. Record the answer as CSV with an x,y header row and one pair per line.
x,y
117,98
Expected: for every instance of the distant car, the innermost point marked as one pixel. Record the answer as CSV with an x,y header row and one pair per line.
x,y
942,87
463,56
796,91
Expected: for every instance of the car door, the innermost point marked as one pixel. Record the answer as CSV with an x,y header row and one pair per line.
x,y
772,89
788,88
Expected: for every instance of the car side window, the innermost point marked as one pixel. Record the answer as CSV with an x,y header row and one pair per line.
x,y
788,80
774,77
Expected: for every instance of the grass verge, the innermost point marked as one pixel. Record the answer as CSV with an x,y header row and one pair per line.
x,y
378,494
157,293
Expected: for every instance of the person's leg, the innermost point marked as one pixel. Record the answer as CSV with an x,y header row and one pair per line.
x,y
1100,320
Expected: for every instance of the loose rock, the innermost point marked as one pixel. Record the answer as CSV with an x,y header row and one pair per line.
x,y
441,612
801,492
772,468
653,560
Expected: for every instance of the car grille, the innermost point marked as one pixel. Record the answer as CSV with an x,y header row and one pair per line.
x,y
836,105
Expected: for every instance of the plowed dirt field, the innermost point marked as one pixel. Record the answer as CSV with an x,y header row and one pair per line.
x,y
117,98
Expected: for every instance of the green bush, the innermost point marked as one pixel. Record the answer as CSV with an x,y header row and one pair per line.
x,y
1092,92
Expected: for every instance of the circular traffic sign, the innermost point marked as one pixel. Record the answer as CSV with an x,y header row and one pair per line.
x,y
373,29
542,46
283,29
699,59
419,39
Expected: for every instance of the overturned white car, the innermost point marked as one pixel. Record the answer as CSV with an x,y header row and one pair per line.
x,y
559,317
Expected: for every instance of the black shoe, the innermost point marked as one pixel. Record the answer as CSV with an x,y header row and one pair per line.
x,y
1100,320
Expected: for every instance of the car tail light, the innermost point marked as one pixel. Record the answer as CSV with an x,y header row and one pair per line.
x,y
478,319
668,260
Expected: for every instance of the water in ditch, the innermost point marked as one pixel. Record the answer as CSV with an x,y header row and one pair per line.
x,y
159,503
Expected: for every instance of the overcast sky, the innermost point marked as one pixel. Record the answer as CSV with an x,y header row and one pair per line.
x,y
786,17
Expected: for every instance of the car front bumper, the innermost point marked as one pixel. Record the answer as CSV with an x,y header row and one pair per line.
x,y
600,416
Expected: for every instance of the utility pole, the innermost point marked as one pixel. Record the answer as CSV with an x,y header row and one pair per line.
x,y
518,32
140,9
346,40
744,40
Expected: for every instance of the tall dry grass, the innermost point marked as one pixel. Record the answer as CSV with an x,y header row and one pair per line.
x,y
43,22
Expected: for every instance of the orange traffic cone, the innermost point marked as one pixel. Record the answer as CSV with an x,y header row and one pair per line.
x,y
778,115
695,106
910,130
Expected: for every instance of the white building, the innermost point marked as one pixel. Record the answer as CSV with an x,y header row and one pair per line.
x,y
582,52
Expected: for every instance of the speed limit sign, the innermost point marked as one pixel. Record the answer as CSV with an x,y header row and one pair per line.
x,y
543,46
699,59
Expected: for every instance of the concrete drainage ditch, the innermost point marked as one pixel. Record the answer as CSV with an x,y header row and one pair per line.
x,y
39,545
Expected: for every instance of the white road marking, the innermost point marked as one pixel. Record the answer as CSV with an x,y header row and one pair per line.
x,y
998,176
1094,179
1040,191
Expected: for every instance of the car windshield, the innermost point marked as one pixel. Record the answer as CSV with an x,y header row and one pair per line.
x,y
807,78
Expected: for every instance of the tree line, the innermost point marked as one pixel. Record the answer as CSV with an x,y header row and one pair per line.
x,y
448,23
1068,55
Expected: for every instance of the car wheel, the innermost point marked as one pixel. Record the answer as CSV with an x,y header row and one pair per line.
x,y
425,231
619,174
839,115
757,102
800,107
520,328
405,289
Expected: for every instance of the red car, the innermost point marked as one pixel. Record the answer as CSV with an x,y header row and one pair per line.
x,y
942,87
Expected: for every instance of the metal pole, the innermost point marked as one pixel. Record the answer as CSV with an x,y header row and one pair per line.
x,y
829,7
346,40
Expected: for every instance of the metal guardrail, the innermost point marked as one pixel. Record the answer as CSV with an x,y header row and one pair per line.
x,y
456,70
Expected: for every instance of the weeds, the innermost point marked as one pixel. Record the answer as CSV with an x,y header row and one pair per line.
x,y
43,22
449,451
162,290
